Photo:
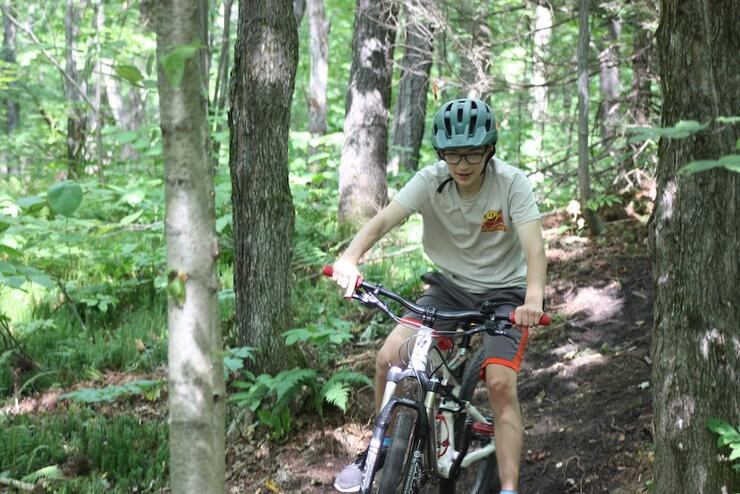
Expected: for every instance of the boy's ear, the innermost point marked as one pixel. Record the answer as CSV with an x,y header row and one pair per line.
x,y
490,152
439,154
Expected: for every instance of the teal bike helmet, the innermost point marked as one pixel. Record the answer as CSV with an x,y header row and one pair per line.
x,y
464,123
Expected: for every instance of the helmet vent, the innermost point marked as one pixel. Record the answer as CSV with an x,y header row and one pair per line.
x,y
473,121
448,128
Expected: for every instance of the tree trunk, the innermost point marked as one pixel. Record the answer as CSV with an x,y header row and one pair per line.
x,y
196,381
542,33
222,79
99,83
609,84
408,124
299,8
641,79
76,117
265,60
476,68
694,236
592,221
319,49
8,163
362,172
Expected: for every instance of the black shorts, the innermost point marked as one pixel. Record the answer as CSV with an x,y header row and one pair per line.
x,y
445,295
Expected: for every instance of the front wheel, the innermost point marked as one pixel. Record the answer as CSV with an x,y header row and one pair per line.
x,y
390,478
479,477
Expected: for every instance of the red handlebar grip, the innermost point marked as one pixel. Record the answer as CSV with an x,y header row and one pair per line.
x,y
545,319
328,270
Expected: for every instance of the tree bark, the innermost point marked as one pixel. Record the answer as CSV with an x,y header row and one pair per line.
x,y
12,107
408,124
584,179
99,83
76,116
196,381
362,172
694,236
265,61
609,84
541,42
476,69
299,9
641,96
319,50
222,79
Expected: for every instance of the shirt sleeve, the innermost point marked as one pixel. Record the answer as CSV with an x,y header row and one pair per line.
x,y
522,206
414,195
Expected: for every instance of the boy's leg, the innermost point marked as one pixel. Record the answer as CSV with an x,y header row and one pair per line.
x,y
396,346
502,393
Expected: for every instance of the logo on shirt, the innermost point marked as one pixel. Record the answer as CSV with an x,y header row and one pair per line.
x,y
493,221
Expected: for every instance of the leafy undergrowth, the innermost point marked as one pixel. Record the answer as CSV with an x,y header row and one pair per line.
x,y
584,387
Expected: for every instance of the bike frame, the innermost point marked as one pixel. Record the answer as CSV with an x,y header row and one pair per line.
x,y
428,414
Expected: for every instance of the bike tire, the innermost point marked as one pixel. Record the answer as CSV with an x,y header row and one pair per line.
x,y
395,460
478,478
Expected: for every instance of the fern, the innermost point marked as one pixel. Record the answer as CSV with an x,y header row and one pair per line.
x,y
336,390
287,382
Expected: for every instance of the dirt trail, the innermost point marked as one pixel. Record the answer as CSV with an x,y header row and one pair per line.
x,y
584,387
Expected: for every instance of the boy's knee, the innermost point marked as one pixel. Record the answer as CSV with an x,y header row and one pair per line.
x,y
501,386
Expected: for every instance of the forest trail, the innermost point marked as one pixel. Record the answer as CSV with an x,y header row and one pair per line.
x,y
584,387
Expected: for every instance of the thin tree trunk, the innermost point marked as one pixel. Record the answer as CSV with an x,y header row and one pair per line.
x,y
584,180
362,172
541,38
609,85
476,70
196,381
694,237
76,118
641,79
265,61
408,124
124,112
319,49
99,24
222,79
299,9
8,163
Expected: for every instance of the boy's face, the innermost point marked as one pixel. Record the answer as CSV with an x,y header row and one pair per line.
x,y
466,164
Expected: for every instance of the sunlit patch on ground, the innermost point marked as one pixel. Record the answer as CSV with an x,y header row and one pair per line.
x,y
596,304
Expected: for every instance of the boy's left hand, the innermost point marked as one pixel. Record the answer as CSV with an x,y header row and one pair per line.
x,y
528,315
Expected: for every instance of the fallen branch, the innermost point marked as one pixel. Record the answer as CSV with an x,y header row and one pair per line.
x,y
23,486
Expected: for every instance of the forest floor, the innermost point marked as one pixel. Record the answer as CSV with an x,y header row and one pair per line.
x,y
584,387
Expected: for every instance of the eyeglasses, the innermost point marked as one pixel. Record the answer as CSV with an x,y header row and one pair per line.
x,y
471,158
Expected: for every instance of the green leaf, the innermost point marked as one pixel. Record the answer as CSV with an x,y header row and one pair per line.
x,y
731,162
173,63
128,72
729,120
338,395
50,472
64,197
30,201
699,166
735,454
126,137
131,218
176,286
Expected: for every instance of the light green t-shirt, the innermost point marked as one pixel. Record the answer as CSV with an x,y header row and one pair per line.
x,y
474,241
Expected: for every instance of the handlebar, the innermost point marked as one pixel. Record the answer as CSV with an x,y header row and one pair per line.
x,y
471,316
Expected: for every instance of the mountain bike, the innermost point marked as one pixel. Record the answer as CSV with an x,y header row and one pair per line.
x,y
445,435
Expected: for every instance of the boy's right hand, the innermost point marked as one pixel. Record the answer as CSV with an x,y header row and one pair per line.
x,y
346,275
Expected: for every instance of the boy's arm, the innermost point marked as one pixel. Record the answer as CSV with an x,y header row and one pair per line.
x,y
345,271
530,237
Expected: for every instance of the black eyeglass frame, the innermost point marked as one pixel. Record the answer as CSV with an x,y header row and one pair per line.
x,y
454,158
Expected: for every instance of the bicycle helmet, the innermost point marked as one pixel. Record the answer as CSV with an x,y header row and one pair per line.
x,y
464,123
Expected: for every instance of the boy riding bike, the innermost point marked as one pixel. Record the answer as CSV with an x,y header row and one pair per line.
x,y
482,230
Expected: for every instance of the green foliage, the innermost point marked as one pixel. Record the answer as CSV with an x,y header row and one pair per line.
x,y
122,454
602,200
150,389
65,197
728,436
730,162
682,129
173,62
336,390
337,333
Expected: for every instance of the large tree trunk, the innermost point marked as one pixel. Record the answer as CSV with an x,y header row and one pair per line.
x,y
694,237
362,172
196,380
265,60
77,116
319,49
584,178
408,124
12,107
